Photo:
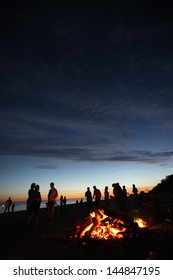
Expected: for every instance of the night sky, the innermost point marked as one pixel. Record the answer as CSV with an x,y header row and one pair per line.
x,y
86,95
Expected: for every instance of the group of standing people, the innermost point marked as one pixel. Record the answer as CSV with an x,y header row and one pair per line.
x,y
89,197
34,201
63,201
119,194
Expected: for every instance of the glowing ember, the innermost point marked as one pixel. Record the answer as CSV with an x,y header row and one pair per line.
x,y
106,232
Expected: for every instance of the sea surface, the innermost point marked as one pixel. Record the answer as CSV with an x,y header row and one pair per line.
x,y
20,206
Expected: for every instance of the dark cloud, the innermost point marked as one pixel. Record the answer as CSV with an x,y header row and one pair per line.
x,y
87,83
143,156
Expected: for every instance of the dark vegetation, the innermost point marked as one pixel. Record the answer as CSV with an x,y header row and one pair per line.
x,y
165,186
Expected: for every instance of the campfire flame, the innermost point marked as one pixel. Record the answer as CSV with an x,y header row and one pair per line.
x,y
101,226
141,223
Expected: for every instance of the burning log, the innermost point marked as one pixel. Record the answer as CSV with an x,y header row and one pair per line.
x,y
120,216
90,224
83,228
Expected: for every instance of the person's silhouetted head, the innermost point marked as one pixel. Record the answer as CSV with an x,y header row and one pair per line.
x,y
37,187
33,186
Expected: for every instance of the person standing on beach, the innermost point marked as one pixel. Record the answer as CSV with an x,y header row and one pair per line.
x,y
12,207
135,191
52,196
7,205
88,196
61,202
37,202
118,196
97,196
30,204
125,199
135,194
64,202
106,193
33,205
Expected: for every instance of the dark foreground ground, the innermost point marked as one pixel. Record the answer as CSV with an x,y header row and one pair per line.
x,y
54,242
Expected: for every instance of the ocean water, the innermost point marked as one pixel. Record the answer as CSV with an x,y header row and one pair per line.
x,y
20,206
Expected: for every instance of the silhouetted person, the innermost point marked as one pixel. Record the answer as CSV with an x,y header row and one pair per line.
x,y
97,196
7,205
124,191
37,202
52,196
12,207
30,204
135,191
118,195
88,196
64,202
125,198
33,205
61,202
31,193
135,195
141,200
106,196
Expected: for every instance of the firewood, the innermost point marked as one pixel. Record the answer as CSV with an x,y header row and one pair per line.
x,y
80,230
118,215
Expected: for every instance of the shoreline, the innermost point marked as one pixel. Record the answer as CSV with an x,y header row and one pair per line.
x,y
21,205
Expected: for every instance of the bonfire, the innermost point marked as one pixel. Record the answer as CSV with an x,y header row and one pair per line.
x,y
107,224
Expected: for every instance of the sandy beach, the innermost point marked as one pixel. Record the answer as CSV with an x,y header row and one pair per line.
x,y
54,242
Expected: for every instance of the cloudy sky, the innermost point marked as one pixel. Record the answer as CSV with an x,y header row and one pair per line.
x,y
86,94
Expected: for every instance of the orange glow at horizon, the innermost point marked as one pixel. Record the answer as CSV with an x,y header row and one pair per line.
x,y
23,197
73,195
